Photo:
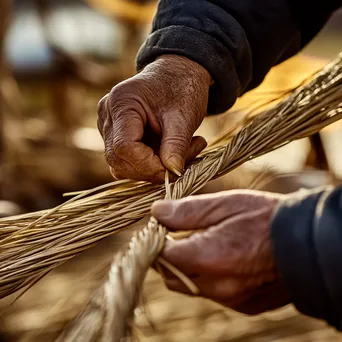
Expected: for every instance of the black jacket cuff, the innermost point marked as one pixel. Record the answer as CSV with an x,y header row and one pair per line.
x,y
303,248
203,49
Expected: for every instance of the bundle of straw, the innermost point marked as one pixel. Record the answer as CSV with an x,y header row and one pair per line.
x,y
33,244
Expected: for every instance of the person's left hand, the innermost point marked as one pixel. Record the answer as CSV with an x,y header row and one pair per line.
x,y
231,258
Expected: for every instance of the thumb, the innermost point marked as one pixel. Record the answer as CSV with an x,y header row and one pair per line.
x,y
194,212
176,140
203,211
197,145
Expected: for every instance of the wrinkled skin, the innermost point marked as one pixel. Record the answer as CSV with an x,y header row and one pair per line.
x,y
230,259
147,122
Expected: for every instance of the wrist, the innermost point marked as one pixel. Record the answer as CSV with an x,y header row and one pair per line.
x,y
176,63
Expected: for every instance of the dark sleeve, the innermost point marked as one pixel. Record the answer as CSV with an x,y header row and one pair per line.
x,y
307,241
237,41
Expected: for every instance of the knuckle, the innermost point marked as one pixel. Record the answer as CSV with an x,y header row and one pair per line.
x,y
122,97
102,115
131,96
101,106
120,147
117,103
106,133
110,156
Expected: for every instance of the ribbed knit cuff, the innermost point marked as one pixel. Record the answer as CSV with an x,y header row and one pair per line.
x,y
203,49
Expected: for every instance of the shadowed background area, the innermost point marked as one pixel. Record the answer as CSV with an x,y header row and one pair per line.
x,y
58,59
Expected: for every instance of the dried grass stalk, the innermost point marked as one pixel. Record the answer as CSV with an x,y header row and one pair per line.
x,y
33,244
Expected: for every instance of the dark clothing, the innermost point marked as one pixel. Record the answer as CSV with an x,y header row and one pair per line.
x,y
238,41
307,241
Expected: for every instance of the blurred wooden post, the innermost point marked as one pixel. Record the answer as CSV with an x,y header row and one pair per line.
x,y
317,157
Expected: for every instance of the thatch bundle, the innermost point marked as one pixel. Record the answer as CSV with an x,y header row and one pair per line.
x,y
35,243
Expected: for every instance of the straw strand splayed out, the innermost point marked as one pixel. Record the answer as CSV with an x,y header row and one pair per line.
x,y
33,244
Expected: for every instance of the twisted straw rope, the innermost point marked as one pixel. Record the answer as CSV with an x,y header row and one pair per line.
x,y
33,244
109,314
110,311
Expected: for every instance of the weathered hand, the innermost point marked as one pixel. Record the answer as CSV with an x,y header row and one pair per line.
x,y
230,259
148,121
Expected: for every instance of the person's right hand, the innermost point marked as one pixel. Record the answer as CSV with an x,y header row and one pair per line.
x,y
147,122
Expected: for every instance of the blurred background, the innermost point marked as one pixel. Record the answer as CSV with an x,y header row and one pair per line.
x,y
58,59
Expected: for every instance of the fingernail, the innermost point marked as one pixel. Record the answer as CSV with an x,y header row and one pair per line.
x,y
175,164
112,173
176,172
162,209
